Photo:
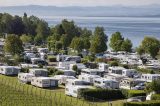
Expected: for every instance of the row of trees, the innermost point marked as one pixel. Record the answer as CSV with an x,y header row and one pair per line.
x,y
66,34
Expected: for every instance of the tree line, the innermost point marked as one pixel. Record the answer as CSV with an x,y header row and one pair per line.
x,y
31,29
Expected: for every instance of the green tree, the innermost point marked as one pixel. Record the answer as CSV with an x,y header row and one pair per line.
x,y
86,43
140,50
13,45
65,41
151,45
154,86
77,44
26,38
116,41
126,45
58,45
85,33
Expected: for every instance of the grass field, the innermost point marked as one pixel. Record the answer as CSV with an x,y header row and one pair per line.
x,y
13,93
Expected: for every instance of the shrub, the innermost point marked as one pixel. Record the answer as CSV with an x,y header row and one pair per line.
x,y
25,70
100,94
147,103
113,63
155,97
52,59
52,71
132,93
59,73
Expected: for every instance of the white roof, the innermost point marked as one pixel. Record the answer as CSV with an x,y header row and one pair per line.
x,y
116,68
92,70
37,69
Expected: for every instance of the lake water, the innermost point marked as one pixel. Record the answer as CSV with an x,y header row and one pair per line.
x,y
134,28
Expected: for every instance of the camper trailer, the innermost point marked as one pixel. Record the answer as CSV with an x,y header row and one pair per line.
x,y
38,72
44,82
116,77
129,72
105,83
103,66
116,70
9,70
129,83
88,78
65,65
92,72
25,77
73,90
150,77
63,78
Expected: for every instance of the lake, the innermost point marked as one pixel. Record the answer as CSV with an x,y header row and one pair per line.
x,y
134,28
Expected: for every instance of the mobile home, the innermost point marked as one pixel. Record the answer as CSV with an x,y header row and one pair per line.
x,y
105,83
44,82
74,90
116,77
92,72
116,70
103,66
9,70
63,78
25,77
129,72
39,72
150,77
88,78
65,65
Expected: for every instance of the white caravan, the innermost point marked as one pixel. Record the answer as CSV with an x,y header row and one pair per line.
x,y
63,78
44,82
25,77
9,70
92,72
116,77
65,65
39,72
103,66
106,84
88,78
150,77
129,72
74,90
116,70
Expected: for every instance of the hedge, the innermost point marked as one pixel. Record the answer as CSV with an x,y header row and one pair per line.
x,y
100,94
52,59
146,103
155,97
132,93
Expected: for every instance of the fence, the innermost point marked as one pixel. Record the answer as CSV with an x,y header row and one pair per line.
x,y
13,93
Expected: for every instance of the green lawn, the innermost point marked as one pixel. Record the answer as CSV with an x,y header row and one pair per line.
x,y
27,94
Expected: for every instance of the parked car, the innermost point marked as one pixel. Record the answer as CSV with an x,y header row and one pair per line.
x,y
137,99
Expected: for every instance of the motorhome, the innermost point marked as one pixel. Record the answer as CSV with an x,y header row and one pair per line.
x,y
25,77
150,77
116,70
106,84
39,72
62,79
92,72
44,82
88,78
9,70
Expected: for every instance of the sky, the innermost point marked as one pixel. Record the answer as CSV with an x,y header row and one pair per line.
x,y
78,2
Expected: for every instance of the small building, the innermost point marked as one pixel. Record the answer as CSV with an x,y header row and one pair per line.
x,y
106,84
39,72
88,78
150,77
62,79
9,70
74,90
92,72
25,77
44,82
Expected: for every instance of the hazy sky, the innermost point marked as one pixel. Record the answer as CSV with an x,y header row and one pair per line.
x,y
78,2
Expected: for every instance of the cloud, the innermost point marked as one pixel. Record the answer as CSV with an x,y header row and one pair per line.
x,y
78,2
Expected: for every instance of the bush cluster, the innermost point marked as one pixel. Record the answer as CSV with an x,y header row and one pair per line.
x,y
147,103
155,97
132,93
